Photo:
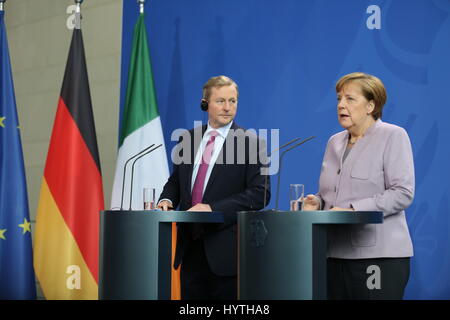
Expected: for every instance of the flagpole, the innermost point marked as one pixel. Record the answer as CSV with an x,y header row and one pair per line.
x,y
1,5
78,14
141,6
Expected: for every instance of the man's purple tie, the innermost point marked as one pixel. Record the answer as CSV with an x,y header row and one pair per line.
x,y
197,190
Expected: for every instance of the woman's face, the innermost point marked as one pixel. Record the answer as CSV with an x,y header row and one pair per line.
x,y
354,110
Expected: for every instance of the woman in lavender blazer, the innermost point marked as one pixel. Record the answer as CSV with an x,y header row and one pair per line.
x,y
367,167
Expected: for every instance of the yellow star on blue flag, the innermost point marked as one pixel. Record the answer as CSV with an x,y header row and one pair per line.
x,y
17,280
26,226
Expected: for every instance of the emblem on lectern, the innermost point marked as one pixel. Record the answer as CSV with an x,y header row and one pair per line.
x,y
258,232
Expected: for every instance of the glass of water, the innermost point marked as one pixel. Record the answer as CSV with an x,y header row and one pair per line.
x,y
296,197
149,199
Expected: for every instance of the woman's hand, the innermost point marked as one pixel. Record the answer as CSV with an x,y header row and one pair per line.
x,y
311,202
341,209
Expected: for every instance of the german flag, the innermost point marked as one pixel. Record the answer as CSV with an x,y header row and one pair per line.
x,y
67,223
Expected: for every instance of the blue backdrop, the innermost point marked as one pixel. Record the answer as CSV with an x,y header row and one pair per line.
x,y
286,56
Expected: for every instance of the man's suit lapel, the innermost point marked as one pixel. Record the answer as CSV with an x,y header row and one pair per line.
x,y
216,171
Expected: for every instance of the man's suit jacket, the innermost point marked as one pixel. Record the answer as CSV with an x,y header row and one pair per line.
x,y
377,175
231,188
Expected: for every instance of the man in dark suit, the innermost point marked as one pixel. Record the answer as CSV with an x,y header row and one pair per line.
x,y
219,172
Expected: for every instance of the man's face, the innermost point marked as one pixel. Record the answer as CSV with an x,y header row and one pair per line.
x,y
222,106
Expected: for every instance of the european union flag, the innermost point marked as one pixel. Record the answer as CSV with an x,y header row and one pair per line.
x,y
16,257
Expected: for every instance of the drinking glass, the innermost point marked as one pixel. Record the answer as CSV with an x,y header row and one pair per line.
x,y
296,196
149,199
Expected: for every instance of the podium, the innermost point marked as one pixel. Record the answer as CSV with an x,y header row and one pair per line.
x,y
282,254
136,251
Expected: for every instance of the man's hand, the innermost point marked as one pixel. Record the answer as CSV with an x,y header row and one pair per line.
x,y
201,207
165,205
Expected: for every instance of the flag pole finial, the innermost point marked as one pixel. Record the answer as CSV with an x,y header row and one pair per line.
x,y
141,5
2,5
78,14
78,3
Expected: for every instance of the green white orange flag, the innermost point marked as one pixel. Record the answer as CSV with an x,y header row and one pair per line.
x,y
140,127
67,225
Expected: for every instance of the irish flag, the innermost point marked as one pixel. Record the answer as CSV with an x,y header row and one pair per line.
x,y
140,127
67,223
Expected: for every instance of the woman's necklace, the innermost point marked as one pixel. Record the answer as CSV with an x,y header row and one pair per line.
x,y
359,137
350,142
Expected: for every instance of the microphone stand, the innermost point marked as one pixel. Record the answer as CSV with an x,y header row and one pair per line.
x,y
265,178
132,169
125,170
279,170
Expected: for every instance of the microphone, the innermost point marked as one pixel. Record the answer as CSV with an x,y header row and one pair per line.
x,y
279,169
132,168
125,170
265,179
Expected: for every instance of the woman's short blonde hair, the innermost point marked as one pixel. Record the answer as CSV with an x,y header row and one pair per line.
x,y
372,88
217,82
